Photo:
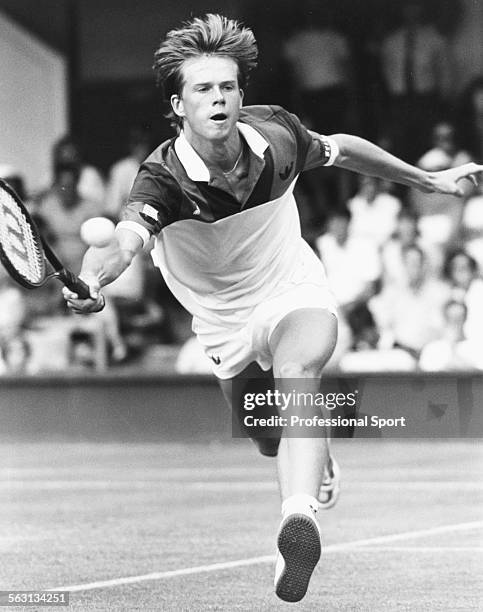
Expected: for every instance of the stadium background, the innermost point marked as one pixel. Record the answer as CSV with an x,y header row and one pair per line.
x,y
107,50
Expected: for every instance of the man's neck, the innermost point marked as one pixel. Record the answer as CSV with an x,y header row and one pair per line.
x,y
220,153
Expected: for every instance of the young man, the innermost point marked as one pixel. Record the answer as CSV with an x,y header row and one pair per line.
x,y
218,197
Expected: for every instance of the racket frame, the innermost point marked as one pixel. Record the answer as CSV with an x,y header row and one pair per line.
x,y
60,272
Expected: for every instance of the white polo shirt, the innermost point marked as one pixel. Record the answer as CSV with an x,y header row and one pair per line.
x,y
221,257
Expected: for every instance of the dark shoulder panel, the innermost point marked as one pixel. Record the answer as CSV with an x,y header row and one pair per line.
x,y
156,196
283,130
313,149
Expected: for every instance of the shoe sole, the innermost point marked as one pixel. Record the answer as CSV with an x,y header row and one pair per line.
x,y
299,545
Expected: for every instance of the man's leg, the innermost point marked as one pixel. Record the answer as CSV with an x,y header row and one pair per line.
x,y
301,345
253,380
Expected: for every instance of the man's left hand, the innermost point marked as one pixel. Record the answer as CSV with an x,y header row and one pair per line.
x,y
448,181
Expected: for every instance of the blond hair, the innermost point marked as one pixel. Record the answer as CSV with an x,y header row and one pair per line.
x,y
208,35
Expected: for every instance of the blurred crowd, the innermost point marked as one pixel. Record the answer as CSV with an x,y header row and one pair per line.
x,y
37,332
405,266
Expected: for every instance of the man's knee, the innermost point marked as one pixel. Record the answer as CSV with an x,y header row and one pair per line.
x,y
302,343
292,368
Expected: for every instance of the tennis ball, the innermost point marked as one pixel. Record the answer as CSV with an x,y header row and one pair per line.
x,y
97,231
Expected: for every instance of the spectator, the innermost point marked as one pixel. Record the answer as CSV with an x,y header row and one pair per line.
x,y
63,209
406,234
461,271
416,68
440,215
472,117
409,315
445,152
140,317
21,311
374,211
353,267
364,330
66,153
453,351
14,348
81,352
14,179
352,264
124,171
472,226
320,65
366,356
15,356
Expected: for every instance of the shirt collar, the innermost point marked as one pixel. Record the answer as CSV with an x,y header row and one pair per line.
x,y
196,168
255,140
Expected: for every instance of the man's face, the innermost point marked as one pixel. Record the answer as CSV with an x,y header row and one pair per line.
x,y
210,99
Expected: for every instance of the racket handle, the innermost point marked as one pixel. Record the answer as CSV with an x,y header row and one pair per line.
x,y
75,284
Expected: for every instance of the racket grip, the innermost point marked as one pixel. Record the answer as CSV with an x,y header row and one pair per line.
x,y
72,282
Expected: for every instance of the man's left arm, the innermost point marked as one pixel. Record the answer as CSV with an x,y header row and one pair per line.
x,y
360,155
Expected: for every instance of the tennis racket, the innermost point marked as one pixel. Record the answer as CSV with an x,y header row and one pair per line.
x,y
23,251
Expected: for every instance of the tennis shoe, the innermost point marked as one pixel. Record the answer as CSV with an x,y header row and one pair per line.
x,y
299,551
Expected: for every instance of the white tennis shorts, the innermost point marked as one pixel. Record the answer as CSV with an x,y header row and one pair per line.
x,y
233,347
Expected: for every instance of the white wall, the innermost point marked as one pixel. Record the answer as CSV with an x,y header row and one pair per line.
x,y
33,102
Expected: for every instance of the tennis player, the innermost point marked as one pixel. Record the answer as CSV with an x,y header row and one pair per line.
x,y
218,197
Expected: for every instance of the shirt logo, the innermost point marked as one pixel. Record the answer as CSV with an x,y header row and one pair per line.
x,y
150,212
285,173
216,360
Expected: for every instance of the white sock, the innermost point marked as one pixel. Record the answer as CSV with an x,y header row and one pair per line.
x,y
300,503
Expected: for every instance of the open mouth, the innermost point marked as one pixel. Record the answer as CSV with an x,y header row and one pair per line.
x,y
219,117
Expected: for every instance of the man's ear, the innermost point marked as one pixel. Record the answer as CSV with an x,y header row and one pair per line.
x,y
177,105
241,97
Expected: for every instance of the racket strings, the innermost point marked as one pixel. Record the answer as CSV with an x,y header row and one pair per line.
x,y
18,241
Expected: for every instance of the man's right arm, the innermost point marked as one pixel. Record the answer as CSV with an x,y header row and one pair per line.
x,y
153,203
101,266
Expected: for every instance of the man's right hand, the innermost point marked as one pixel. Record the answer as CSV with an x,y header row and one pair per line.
x,y
93,304
101,266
